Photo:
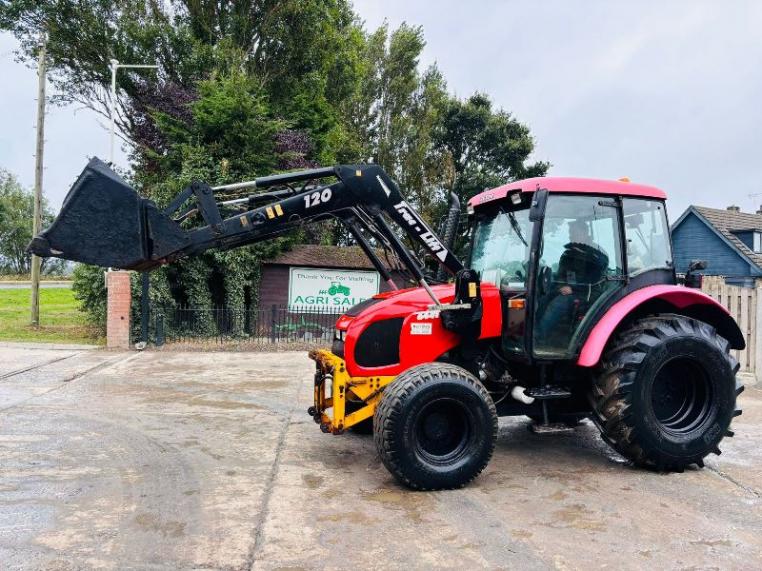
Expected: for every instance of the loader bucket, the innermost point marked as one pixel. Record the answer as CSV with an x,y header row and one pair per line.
x,y
104,222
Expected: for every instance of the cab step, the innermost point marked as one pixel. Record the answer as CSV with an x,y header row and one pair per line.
x,y
551,428
548,392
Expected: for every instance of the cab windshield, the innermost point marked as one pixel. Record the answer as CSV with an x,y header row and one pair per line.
x,y
500,251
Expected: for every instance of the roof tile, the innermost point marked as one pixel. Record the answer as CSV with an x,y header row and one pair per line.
x,y
316,256
726,221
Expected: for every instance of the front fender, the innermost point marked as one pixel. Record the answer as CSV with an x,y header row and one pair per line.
x,y
678,299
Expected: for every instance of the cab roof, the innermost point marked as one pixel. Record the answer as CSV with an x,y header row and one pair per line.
x,y
571,185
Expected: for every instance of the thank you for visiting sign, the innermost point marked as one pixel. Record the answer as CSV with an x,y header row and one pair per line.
x,y
315,288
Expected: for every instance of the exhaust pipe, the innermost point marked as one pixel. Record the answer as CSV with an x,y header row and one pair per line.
x,y
450,231
517,393
104,222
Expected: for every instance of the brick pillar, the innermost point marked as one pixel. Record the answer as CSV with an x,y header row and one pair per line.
x,y
118,310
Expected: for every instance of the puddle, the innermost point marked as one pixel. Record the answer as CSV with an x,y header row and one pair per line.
x,y
312,481
578,517
348,517
408,502
169,528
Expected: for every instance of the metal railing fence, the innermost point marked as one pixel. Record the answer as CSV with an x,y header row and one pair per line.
x,y
269,325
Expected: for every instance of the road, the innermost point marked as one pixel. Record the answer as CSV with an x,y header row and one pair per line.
x,y
166,460
27,285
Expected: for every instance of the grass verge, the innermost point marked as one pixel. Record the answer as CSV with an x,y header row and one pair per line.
x,y
61,321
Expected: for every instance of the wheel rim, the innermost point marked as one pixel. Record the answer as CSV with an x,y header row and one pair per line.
x,y
443,428
681,396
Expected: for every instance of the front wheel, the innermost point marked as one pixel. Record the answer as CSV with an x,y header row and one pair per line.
x,y
666,392
435,427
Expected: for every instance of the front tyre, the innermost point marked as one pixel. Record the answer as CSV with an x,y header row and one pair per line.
x,y
666,392
435,427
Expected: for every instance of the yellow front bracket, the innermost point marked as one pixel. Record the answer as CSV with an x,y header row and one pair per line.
x,y
334,387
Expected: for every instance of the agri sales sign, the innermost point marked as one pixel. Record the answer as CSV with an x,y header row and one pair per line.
x,y
315,288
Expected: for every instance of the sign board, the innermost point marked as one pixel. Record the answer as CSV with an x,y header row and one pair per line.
x,y
316,288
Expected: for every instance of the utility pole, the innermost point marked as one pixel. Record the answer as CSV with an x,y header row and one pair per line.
x,y
38,166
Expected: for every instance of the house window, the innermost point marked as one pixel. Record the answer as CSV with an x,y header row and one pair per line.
x,y
758,242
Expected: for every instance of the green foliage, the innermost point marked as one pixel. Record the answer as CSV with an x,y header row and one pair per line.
x,y
245,88
16,213
488,147
89,287
485,148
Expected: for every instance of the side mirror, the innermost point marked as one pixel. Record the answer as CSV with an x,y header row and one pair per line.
x,y
696,265
695,280
537,209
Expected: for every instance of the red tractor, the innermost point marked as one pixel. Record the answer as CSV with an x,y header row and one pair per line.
x,y
567,307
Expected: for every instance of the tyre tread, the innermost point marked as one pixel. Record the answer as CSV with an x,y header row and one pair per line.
x,y
613,386
390,410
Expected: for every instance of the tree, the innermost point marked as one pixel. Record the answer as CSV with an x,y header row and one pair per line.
x,y
487,147
16,211
242,90
303,53
430,142
251,87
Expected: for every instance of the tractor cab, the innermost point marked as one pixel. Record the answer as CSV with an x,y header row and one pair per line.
x,y
561,251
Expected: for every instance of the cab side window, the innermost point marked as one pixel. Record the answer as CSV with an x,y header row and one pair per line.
x,y
647,234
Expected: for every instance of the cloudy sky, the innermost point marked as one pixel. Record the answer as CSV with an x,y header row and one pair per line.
x,y
667,93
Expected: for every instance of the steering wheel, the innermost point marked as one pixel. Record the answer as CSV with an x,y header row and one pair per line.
x,y
596,256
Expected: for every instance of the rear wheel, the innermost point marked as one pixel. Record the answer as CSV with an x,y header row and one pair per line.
x,y
435,427
666,392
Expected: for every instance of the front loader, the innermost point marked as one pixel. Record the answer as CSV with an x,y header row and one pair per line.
x,y
567,307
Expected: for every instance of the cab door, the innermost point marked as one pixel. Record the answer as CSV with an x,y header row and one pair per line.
x,y
579,267
500,252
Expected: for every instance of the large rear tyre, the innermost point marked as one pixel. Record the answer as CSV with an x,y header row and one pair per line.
x,y
435,427
666,392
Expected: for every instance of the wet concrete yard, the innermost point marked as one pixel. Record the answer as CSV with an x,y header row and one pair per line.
x,y
163,460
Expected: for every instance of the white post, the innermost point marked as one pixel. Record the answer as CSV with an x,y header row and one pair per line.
x,y
115,65
112,107
757,332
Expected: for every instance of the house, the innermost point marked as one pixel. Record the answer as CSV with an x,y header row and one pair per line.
x,y
730,241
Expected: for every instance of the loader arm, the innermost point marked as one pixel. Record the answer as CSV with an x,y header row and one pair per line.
x,y
105,222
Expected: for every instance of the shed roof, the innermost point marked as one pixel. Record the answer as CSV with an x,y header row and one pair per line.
x,y
316,256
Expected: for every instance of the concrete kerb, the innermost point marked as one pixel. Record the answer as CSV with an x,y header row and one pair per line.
x,y
48,346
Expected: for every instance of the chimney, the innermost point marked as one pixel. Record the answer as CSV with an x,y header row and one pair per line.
x,y
734,208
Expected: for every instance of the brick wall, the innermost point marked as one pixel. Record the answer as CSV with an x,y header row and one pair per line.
x,y
118,310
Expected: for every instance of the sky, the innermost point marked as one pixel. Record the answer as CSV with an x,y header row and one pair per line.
x,y
665,93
